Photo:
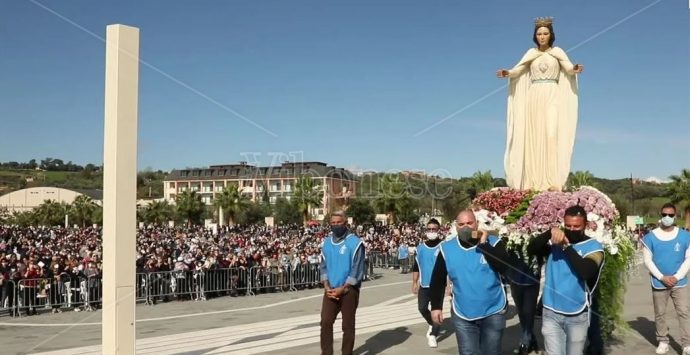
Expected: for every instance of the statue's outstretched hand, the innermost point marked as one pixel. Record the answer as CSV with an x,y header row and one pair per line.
x,y
502,73
578,68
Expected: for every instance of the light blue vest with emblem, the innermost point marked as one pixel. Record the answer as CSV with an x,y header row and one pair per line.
x,y
668,255
338,258
426,258
564,292
477,289
403,252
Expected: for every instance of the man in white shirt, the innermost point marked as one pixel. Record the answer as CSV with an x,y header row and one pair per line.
x,y
667,256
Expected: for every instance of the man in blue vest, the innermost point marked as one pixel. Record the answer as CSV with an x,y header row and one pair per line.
x,y
342,270
572,272
421,276
667,256
403,254
472,262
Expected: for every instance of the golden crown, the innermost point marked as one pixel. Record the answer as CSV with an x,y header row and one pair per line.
x,y
543,21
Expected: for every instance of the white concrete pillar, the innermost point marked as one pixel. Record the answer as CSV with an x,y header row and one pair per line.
x,y
119,189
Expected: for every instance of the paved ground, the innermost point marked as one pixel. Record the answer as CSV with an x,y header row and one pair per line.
x,y
287,323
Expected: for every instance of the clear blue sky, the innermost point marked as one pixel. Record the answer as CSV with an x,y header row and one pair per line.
x,y
349,83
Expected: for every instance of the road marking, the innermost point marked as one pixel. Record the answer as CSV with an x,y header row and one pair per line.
x,y
266,336
20,324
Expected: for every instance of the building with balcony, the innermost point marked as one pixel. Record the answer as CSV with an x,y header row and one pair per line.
x,y
260,183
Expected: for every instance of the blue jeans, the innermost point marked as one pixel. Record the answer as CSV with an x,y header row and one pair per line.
x,y
564,335
481,336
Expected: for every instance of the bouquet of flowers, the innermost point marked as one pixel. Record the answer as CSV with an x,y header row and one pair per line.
x,y
521,215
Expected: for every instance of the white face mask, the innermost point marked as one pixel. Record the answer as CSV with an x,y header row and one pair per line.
x,y
432,235
667,221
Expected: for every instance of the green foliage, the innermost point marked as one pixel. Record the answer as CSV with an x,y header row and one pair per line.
x,y
50,213
393,198
679,192
307,194
480,182
457,199
4,215
612,285
361,211
286,212
520,210
190,208
81,211
158,213
580,178
254,213
232,201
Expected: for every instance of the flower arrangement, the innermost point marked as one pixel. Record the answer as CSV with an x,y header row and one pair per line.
x,y
521,215
500,200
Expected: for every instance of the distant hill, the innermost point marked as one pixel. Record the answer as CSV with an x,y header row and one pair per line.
x,y
149,183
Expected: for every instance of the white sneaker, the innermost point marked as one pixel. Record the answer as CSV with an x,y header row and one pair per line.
x,y
663,348
431,340
686,350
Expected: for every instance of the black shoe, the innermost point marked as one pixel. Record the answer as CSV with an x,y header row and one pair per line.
x,y
533,347
523,349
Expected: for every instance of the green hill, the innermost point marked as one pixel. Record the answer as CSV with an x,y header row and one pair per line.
x,y
149,183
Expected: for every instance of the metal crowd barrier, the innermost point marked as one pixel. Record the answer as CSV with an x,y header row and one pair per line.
x,y
82,293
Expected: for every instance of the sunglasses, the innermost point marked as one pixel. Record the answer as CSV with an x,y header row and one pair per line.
x,y
668,215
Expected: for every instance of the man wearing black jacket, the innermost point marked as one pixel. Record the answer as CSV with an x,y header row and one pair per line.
x,y
572,272
473,261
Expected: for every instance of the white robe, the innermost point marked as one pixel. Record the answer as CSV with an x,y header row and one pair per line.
x,y
542,119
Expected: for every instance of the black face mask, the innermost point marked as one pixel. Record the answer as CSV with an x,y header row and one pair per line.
x,y
574,236
338,230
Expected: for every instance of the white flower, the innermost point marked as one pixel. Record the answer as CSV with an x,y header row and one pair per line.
x,y
613,250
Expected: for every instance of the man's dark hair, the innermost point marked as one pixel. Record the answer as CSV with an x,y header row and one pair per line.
x,y
669,205
576,211
433,221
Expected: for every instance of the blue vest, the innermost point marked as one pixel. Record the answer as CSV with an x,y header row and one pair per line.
x,y
338,258
426,258
564,292
668,255
403,253
477,289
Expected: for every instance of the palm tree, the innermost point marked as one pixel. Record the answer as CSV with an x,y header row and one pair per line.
x,y
190,207
50,213
480,182
679,192
392,196
306,195
581,178
4,215
232,201
158,212
82,209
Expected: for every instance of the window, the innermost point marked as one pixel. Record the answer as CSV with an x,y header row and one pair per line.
x,y
272,199
172,185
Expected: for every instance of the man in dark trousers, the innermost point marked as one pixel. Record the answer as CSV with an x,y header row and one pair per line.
x,y
427,252
342,270
473,261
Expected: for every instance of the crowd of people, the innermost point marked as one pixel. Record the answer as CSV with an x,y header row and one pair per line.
x,y
62,267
